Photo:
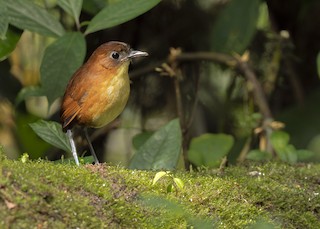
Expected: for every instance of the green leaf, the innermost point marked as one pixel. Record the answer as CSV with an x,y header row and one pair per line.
x,y
27,92
289,154
263,21
161,151
139,139
93,6
279,140
24,158
9,44
305,155
27,15
158,176
52,133
72,7
118,12
173,209
258,155
179,183
261,224
209,149
235,26
4,22
169,188
61,59
200,223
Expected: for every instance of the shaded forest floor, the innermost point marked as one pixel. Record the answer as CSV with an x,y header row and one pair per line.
x,y
41,194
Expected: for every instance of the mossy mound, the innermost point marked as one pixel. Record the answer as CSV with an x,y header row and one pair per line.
x,y
41,194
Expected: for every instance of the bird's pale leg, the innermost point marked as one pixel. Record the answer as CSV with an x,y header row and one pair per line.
x,y
73,146
90,146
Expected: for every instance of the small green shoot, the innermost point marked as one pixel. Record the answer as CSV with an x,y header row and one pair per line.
x,y
175,182
24,158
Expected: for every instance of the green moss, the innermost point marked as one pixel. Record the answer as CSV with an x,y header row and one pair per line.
x,y
48,195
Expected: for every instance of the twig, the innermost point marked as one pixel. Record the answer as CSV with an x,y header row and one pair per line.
x,y
259,95
208,56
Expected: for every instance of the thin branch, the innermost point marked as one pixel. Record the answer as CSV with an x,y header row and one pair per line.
x,y
259,95
208,56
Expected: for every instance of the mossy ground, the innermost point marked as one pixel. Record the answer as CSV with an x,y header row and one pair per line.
x,y
41,194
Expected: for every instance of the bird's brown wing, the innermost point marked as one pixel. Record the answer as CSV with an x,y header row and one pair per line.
x,y
71,103
69,110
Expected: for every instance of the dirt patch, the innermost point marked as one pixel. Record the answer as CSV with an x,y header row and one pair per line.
x,y
119,189
117,183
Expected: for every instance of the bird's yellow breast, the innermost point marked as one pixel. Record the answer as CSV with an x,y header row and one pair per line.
x,y
111,98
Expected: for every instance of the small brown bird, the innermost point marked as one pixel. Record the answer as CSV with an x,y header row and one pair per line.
x,y
98,91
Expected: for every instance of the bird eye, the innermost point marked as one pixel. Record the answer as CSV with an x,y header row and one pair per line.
x,y
115,55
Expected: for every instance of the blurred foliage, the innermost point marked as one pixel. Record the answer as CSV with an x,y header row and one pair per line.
x,y
235,26
174,210
209,149
209,64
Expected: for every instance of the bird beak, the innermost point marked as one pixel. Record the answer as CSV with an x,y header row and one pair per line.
x,y
136,53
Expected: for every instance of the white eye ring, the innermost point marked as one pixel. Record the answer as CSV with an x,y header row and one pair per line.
x,y
115,55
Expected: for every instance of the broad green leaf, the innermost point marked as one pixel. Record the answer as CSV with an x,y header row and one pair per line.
x,y
118,12
139,139
288,154
161,151
72,7
93,6
235,26
258,155
179,183
4,22
27,92
200,222
173,209
304,155
9,44
27,15
209,149
61,59
158,176
261,224
279,140
52,133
